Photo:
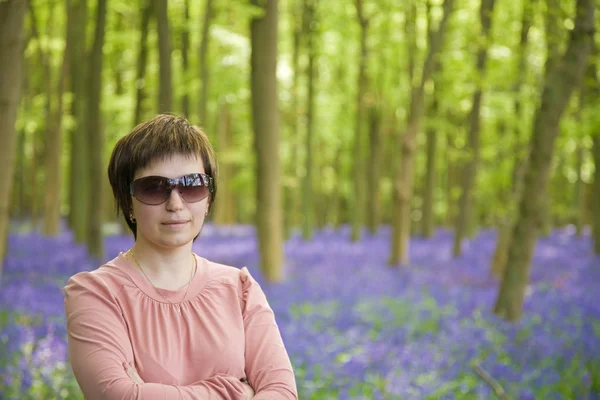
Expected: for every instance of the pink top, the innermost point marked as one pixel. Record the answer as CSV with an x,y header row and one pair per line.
x,y
225,331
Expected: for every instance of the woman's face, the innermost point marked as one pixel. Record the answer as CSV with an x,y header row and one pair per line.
x,y
175,222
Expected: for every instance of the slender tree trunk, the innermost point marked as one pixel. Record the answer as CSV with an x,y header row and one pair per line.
x,y
185,47
140,83
12,15
403,187
265,119
36,160
308,217
79,182
165,91
293,190
225,207
96,138
579,190
467,207
53,182
18,205
507,223
204,62
564,77
596,194
592,94
359,164
373,167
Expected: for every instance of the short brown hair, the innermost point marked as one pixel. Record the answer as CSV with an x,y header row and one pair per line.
x,y
159,138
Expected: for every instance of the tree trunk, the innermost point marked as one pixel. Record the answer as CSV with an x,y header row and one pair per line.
x,y
308,217
12,15
96,138
579,190
592,94
293,190
403,187
165,91
564,77
358,176
466,206
507,223
204,64
265,121
373,168
40,147
596,194
185,47
53,183
79,184
225,207
142,61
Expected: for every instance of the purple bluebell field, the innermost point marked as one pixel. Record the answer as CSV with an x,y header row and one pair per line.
x,y
354,328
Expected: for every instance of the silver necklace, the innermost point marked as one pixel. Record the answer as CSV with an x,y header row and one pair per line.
x,y
176,305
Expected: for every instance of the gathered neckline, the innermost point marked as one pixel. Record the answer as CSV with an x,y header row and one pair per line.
x,y
197,283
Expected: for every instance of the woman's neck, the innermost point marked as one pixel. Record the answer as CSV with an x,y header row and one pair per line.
x,y
165,268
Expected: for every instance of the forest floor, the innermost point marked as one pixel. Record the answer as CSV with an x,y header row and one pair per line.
x,y
354,327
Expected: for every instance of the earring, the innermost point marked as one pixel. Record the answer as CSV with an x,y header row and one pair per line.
x,y
131,217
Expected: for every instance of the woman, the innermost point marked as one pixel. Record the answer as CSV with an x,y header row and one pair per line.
x,y
158,321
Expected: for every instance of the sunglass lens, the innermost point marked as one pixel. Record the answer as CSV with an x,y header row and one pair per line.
x,y
151,190
194,192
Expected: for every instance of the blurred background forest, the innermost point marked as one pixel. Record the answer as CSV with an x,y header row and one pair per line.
x,y
458,125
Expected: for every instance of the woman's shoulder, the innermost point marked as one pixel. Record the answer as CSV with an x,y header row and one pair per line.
x,y
222,274
108,278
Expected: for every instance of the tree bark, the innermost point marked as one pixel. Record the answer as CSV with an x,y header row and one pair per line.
x,y
507,223
466,206
564,77
265,122
96,137
142,61
592,94
165,91
53,182
12,15
79,184
358,176
293,190
308,217
403,187
225,208
373,168
204,64
185,47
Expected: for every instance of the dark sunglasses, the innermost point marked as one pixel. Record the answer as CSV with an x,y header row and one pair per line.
x,y
155,190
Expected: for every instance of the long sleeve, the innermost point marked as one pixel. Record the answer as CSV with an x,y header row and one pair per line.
x,y
100,351
268,366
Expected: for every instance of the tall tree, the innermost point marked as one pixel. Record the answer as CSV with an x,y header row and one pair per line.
x,y
592,94
358,176
403,187
54,139
507,222
79,180
96,138
310,22
204,62
265,123
564,77
431,139
473,147
142,61
12,14
225,213
185,47
165,91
